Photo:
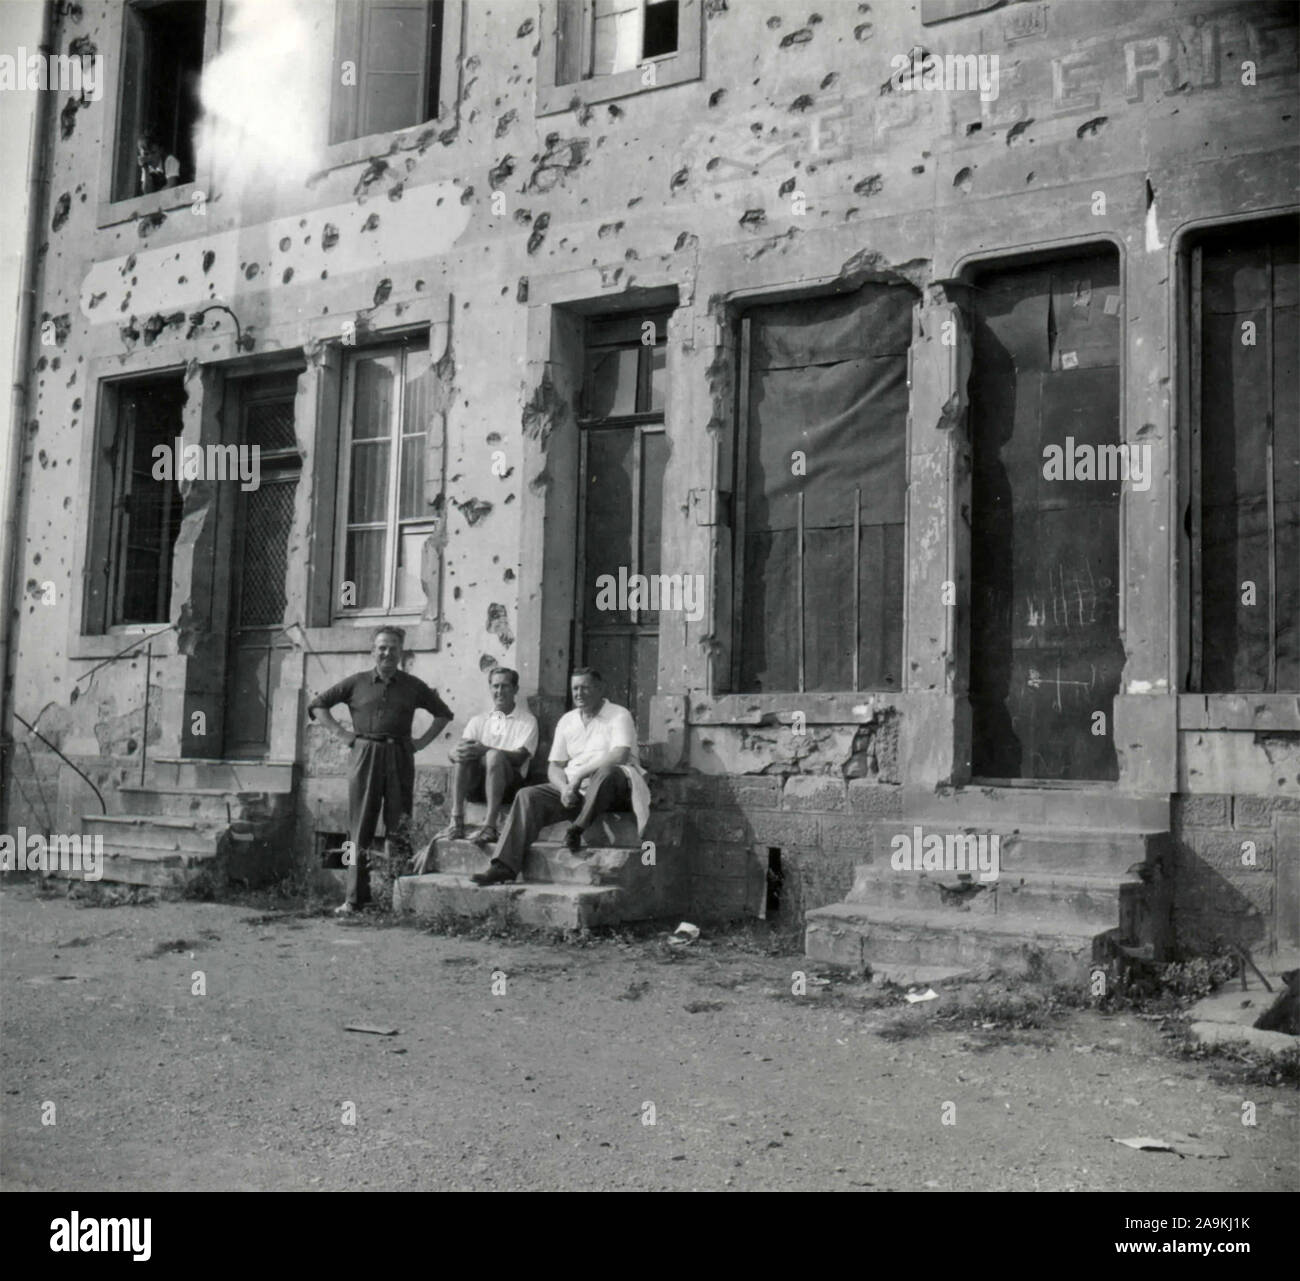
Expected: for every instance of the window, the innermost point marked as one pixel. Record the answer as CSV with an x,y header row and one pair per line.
x,y
604,37
820,480
1243,517
390,483
388,59
623,453
137,517
162,60
602,49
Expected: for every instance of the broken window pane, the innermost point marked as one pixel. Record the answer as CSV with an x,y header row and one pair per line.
x,y
410,555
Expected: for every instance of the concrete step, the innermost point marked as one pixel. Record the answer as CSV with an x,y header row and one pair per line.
x,y
1090,851
202,802
857,936
156,832
569,907
1091,901
163,869
649,890
229,776
1005,808
607,830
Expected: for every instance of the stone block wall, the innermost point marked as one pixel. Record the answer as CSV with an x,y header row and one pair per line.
x,y
1232,856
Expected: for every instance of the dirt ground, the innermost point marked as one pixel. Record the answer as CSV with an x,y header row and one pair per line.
x,y
551,1081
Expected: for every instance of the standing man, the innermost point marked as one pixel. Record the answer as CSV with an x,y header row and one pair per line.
x,y
381,772
594,768
491,760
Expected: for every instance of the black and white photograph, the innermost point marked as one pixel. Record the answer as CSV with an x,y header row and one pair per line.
x,y
650,596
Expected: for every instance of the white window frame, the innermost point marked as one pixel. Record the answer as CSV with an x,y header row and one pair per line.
x,y
394,525
680,67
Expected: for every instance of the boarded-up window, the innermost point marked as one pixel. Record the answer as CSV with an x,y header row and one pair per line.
x,y
136,517
624,453
1046,656
388,56
158,107
1244,515
821,479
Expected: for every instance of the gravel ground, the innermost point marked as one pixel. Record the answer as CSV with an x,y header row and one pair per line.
x,y
549,1081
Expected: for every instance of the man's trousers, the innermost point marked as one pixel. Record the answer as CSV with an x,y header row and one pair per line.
x,y
381,779
535,807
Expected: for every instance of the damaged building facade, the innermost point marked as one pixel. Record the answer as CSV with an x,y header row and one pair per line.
x,y
896,401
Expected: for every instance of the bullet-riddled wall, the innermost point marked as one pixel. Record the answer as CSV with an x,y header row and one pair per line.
x,y
801,154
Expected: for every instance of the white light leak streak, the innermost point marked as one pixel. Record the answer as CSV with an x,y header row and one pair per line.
x,y
265,99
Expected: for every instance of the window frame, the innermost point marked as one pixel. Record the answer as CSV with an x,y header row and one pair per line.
x,y
352,150
394,524
680,67
108,211
107,519
641,422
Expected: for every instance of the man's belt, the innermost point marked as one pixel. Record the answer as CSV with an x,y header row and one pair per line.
x,y
380,738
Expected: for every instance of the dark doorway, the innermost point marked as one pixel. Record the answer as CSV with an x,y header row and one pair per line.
x,y
263,517
1046,657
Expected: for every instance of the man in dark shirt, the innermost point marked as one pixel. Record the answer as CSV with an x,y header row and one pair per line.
x,y
381,773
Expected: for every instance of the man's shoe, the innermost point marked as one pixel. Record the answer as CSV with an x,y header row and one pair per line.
x,y
497,874
486,835
573,838
454,831
346,909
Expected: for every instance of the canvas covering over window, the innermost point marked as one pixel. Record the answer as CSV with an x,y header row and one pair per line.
x,y
827,415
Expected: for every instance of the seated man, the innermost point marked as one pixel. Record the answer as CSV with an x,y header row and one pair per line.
x,y
491,760
594,768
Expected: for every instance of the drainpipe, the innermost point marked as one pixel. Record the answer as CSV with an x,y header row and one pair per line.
x,y
14,507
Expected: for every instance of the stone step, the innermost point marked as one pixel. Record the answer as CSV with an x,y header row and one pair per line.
x,y
649,890
1088,900
607,830
857,936
163,869
1005,808
1064,848
156,832
570,907
229,776
201,802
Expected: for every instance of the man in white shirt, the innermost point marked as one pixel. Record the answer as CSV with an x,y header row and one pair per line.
x,y
593,758
491,760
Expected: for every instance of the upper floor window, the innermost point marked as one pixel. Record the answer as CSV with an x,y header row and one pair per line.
x,y
391,446
388,56
158,107
602,49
